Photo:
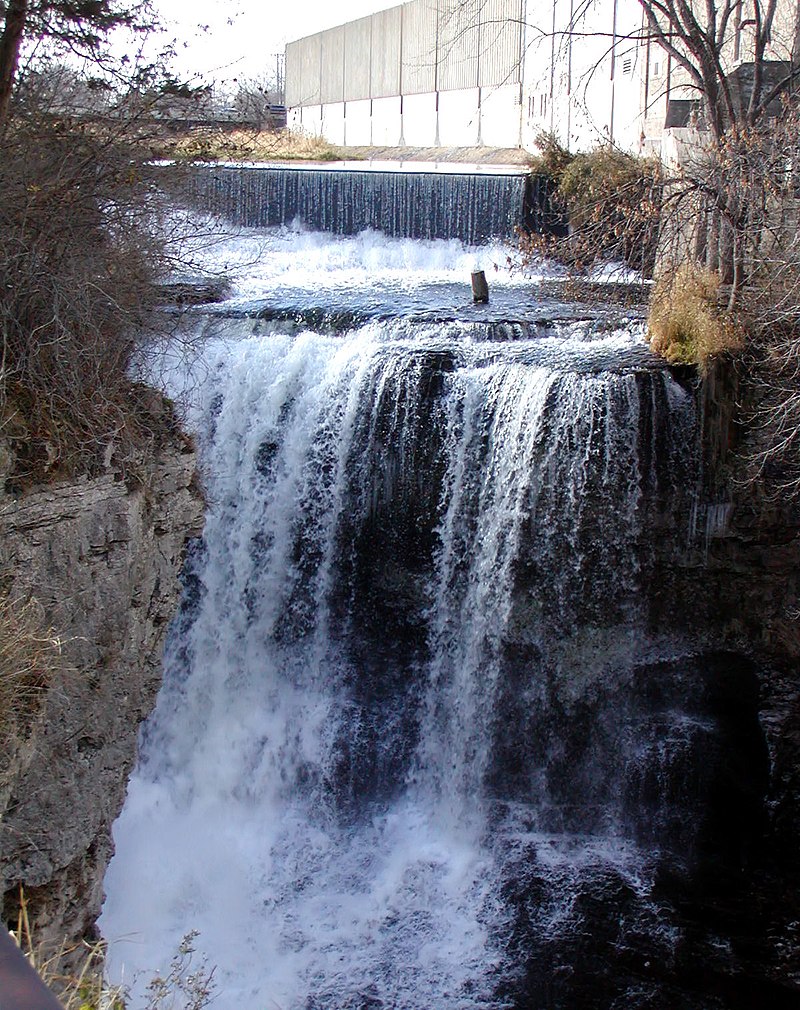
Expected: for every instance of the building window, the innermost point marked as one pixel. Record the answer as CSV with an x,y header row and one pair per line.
x,y
627,65
656,69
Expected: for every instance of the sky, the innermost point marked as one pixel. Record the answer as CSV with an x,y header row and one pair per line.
x,y
243,36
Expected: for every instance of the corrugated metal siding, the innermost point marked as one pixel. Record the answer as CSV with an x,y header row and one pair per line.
x,y
459,44
385,74
419,46
357,59
310,49
501,42
332,65
294,74
479,42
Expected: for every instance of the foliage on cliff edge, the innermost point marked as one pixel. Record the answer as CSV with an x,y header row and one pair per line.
x,y
78,260
612,201
81,238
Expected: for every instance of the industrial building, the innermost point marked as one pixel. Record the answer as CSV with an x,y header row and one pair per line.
x,y
498,73
462,73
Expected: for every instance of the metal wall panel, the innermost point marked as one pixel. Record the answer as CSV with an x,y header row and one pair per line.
x,y
420,18
332,65
310,50
500,54
459,44
478,42
385,72
357,48
294,87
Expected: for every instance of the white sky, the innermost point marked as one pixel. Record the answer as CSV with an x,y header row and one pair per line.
x,y
243,36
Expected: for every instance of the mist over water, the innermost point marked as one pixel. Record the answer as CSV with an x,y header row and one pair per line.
x,y
400,735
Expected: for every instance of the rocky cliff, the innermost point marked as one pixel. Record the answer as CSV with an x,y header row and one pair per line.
x,y
101,556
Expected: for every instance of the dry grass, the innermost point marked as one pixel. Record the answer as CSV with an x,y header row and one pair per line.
x,y
249,145
686,324
30,655
83,988
187,983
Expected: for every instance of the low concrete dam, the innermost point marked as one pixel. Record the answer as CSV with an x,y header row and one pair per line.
x,y
439,201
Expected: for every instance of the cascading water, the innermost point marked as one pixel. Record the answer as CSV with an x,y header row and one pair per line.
x,y
471,207
413,722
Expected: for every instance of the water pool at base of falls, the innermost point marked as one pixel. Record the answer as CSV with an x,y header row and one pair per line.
x,y
417,744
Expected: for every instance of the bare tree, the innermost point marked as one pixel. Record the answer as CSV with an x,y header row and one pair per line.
x,y
80,245
254,100
738,60
705,40
81,27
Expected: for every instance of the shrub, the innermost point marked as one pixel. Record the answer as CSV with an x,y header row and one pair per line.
x,y
685,324
552,159
187,983
79,254
612,201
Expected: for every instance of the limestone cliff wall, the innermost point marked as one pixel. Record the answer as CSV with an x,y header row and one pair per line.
x,y
102,557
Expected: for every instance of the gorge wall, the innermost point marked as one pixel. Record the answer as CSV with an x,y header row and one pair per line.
x,y
101,557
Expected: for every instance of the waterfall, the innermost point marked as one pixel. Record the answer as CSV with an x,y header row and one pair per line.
x,y
414,204
409,717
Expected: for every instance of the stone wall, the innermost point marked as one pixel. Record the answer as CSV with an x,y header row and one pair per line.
x,y
101,556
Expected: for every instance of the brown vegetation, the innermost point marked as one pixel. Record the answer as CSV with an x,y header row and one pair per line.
x,y
685,324
242,144
611,200
78,258
30,656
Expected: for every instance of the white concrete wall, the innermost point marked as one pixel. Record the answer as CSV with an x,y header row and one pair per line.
x,y
357,123
386,128
310,119
574,85
420,120
501,116
333,123
459,118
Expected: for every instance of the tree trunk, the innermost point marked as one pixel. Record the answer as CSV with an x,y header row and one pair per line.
x,y
701,232
727,242
10,40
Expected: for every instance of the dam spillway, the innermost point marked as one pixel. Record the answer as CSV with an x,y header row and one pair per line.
x,y
405,202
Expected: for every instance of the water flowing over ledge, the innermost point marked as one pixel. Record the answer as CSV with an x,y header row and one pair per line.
x,y
470,207
418,743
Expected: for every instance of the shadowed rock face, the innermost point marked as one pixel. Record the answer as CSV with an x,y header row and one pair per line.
x,y
638,755
102,559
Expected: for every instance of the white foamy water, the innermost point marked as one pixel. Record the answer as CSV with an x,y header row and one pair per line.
x,y
256,260
317,784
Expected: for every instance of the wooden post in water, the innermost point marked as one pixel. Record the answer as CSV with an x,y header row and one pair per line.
x,y
480,289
